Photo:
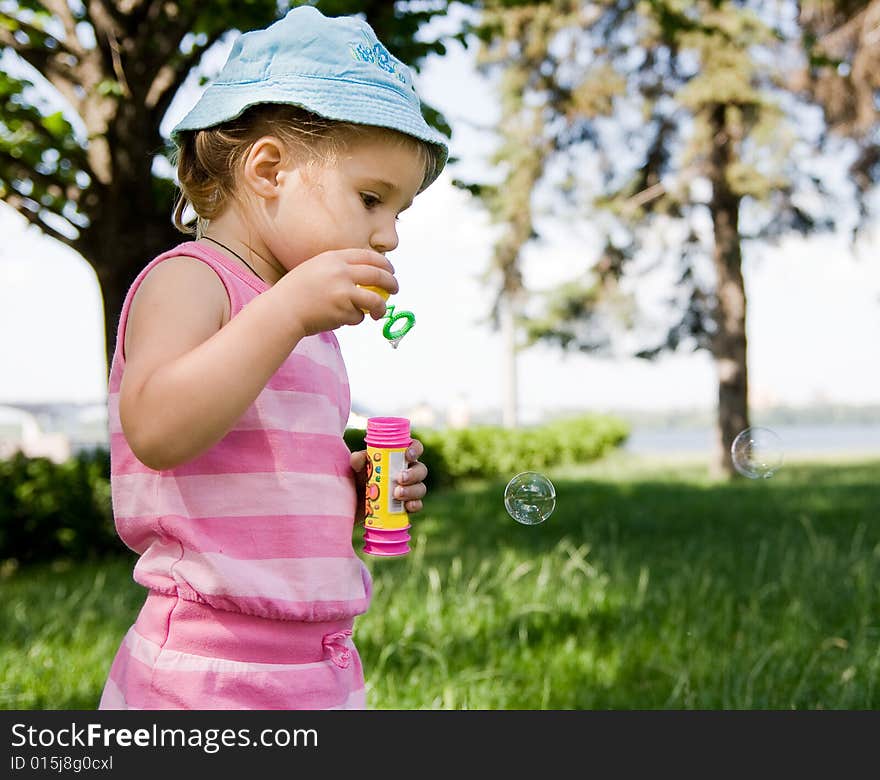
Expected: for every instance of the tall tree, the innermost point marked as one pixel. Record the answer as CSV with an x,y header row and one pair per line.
x,y
83,93
515,39
702,150
842,75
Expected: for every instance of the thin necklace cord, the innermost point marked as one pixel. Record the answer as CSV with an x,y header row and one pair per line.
x,y
233,252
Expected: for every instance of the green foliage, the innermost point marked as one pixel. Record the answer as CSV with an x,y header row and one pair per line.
x,y
50,510
60,625
650,587
354,438
39,156
88,177
489,451
630,90
44,168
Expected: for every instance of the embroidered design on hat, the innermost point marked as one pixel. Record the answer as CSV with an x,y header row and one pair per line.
x,y
378,55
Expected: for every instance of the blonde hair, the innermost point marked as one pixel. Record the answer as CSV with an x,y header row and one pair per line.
x,y
208,161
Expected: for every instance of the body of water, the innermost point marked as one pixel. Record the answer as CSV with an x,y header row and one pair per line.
x,y
812,439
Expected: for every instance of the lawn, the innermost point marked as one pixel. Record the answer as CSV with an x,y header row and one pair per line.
x,y
651,586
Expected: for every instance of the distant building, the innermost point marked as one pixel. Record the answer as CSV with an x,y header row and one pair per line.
x,y
458,415
357,418
52,430
422,415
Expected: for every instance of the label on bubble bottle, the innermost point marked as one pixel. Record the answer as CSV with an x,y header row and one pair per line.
x,y
396,464
382,510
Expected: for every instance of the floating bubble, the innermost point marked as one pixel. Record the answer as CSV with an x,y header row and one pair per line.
x,y
530,498
757,453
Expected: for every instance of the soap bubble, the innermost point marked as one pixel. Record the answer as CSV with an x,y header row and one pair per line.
x,y
757,453
530,498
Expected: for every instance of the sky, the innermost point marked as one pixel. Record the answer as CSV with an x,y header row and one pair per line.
x,y
813,316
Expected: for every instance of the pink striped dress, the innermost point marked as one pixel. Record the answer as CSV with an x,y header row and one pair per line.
x,y
246,550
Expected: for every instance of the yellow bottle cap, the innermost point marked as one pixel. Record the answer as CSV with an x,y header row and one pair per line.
x,y
379,290
384,293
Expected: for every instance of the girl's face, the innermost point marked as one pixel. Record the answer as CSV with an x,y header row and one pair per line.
x,y
352,202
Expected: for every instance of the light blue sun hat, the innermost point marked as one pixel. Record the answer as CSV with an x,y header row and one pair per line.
x,y
332,66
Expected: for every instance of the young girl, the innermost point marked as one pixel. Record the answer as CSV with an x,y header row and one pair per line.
x,y
228,395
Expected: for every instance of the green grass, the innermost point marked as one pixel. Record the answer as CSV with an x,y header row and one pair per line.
x,y
651,586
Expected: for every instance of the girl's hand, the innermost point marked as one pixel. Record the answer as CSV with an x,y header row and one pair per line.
x,y
411,481
330,289
410,486
359,467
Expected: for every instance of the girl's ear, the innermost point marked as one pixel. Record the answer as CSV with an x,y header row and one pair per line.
x,y
262,165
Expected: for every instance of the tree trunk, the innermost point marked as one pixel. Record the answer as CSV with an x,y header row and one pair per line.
x,y
120,87
729,342
131,222
118,245
507,320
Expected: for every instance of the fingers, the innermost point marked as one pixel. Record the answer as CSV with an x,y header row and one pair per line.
x,y
374,285
412,474
410,486
367,268
408,493
354,317
367,276
366,257
369,302
358,461
410,482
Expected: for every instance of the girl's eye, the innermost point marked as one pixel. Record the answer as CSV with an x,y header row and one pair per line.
x,y
370,200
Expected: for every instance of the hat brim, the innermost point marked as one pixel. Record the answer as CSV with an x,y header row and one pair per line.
x,y
333,98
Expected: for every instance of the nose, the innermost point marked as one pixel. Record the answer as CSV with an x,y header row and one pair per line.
x,y
385,239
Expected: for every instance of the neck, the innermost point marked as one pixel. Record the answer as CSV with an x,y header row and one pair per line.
x,y
247,256
238,256
221,236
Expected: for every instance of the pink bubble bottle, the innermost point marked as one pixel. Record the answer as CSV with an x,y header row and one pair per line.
x,y
386,522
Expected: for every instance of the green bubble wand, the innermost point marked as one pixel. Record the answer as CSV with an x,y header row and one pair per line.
x,y
399,322
405,321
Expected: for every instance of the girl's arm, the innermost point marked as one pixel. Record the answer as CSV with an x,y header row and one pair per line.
x,y
188,377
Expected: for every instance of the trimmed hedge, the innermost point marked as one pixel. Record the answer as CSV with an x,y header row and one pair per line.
x,y
490,451
50,510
